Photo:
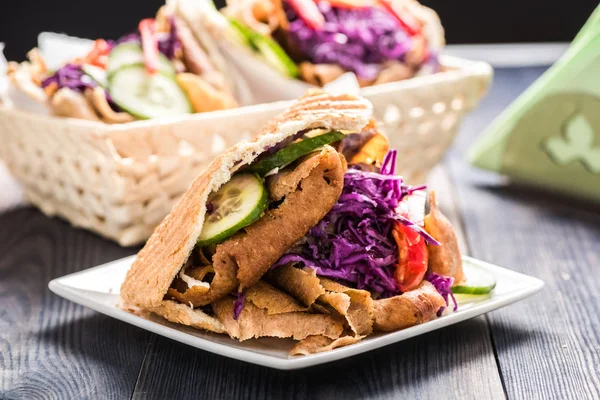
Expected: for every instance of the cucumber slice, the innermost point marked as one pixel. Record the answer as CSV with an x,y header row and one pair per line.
x,y
269,48
237,204
293,152
96,73
147,96
478,281
130,54
462,298
243,33
276,56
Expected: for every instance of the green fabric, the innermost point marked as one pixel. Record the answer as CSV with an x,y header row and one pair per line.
x,y
550,135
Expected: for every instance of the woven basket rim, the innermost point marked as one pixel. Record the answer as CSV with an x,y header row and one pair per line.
x,y
457,69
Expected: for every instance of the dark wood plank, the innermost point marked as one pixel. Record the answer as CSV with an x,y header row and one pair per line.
x,y
456,362
443,364
50,347
548,346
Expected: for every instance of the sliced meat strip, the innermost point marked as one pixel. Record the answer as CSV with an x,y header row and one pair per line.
x,y
223,283
240,261
254,322
319,74
354,304
271,299
69,103
408,309
288,179
185,315
444,259
261,244
304,286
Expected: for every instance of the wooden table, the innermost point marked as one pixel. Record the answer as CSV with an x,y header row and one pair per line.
x,y
544,347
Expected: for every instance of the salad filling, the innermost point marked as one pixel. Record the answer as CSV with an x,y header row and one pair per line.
x,y
160,70
379,40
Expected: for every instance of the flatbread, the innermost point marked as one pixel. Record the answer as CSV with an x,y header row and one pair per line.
x,y
172,242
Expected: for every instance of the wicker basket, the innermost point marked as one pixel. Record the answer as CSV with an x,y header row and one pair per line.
x,y
121,180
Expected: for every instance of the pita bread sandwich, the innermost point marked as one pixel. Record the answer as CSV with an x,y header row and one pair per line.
x,y
316,41
304,232
162,69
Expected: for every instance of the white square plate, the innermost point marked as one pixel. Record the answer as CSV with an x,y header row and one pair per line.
x,y
98,289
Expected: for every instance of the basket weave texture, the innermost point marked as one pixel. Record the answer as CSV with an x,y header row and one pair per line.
x,y
121,180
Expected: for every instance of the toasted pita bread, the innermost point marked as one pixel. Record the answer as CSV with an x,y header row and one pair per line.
x,y
254,322
444,259
432,26
408,309
169,247
23,91
319,344
202,20
303,285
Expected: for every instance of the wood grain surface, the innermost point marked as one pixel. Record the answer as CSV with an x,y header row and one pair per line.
x,y
51,348
548,346
545,347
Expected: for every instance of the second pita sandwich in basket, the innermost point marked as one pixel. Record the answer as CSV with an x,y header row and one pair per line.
x,y
163,69
304,232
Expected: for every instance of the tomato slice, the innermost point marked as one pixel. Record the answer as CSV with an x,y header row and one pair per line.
x,y
309,12
149,44
98,55
408,21
412,257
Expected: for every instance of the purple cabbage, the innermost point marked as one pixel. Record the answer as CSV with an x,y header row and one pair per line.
x,y
70,76
168,42
353,242
357,39
238,305
133,37
443,284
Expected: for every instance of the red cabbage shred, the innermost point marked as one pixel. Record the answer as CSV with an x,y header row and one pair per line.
x,y
238,305
443,284
70,76
353,243
168,43
357,39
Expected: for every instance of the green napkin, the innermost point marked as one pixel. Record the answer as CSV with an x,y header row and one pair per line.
x,y
550,135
